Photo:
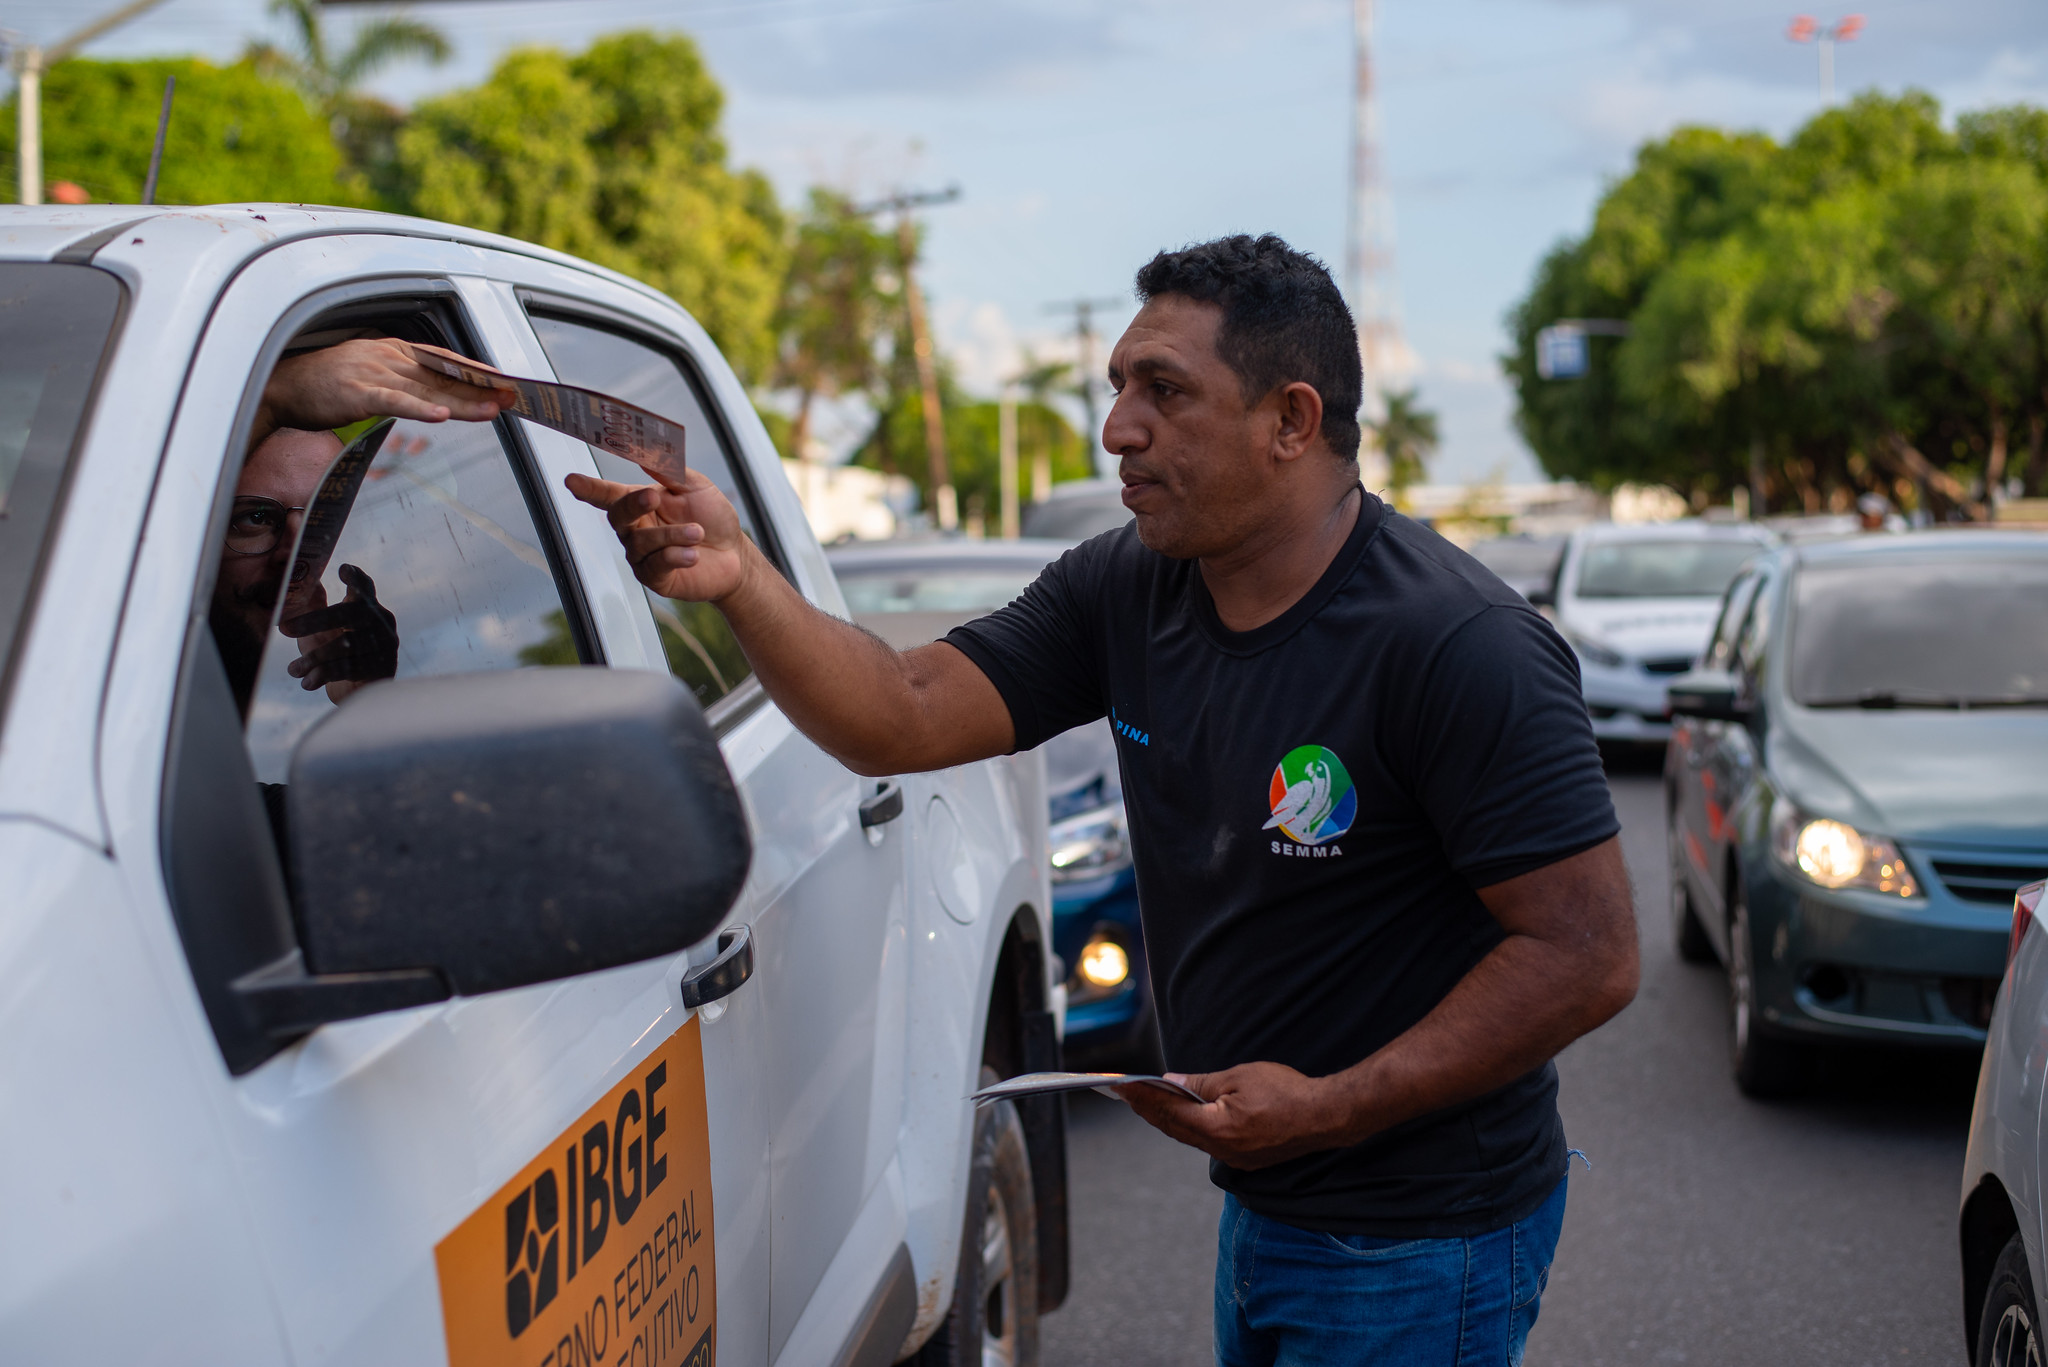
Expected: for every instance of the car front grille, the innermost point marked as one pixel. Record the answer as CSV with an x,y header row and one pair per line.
x,y
1668,664
1994,883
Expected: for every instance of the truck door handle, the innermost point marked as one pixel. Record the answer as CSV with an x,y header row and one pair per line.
x,y
885,806
724,974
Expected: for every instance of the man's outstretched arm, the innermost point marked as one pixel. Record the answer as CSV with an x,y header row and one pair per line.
x,y
1568,965
875,709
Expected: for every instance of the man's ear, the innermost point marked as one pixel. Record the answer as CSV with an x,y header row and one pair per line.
x,y
1299,409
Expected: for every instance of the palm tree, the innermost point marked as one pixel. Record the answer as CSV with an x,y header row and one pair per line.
x,y
365,126
1407,437
1038,382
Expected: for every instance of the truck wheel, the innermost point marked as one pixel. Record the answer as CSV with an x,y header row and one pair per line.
x,y
994,1317
1764,1066
2009,1334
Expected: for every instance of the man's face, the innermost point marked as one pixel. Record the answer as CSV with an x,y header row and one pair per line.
x,y
1195,461
286,469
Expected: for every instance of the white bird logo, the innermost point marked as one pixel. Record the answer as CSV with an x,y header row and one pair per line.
x,y
1307,804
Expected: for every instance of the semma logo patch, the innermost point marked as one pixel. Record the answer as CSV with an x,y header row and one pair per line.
x,y
599,1250
1311,797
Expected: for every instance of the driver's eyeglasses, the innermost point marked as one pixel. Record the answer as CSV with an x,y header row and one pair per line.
x,y
256,523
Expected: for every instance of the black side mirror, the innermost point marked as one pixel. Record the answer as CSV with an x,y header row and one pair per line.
x,y
1543,596
1713,694
473,832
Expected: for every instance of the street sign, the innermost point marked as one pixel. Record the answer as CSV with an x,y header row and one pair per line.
x,y
1561,352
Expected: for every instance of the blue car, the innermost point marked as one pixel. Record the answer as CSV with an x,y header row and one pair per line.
x,y
912,592
1855,791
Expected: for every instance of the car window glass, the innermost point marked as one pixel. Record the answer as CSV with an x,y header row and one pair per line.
x,y
946,588
699,646
1721,647
1755,637
1693,568
1930,632
55,321
438,568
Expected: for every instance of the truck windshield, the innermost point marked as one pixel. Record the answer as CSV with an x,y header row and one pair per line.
x,y
1943,633
55,322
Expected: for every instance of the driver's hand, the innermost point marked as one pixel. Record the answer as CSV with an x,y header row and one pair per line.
x,y
683,542
369,378
346,645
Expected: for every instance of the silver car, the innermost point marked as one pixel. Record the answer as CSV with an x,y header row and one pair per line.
x,y
2001,1217
1638,603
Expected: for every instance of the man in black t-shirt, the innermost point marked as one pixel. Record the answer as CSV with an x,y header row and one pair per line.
x,y
1375,850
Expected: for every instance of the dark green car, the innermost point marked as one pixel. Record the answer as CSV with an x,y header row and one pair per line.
x,y
1856,785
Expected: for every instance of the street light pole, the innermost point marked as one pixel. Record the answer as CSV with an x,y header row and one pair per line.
x,y
31,60
1805,30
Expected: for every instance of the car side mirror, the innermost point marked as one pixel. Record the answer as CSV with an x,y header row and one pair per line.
x,y
1544,596
1713,694
473,832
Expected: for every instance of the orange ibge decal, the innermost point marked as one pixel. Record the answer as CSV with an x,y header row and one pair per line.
x,y
600,1251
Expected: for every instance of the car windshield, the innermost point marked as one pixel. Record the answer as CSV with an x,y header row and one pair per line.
x,y
1661,569
54,324
1931,633
934,588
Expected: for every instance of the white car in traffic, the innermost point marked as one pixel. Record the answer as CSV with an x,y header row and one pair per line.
x,y
552,999
1637,603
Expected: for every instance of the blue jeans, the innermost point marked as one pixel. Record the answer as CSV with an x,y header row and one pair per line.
x,y
1289,1297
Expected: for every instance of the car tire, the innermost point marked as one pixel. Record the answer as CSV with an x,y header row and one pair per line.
x,y
2009,1331
1689,934
1765,1066
994,1315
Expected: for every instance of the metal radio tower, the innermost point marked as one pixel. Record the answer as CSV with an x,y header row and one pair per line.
x,y
1369,263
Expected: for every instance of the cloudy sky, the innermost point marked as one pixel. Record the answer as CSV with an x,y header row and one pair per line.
x,y
1085,135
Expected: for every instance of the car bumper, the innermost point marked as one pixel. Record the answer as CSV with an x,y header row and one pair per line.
x,y
1626,703
1867,965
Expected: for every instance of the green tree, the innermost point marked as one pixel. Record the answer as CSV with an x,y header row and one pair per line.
x,y
837,303
1407,436
613,155
235,135
365,127
1860,308
896,444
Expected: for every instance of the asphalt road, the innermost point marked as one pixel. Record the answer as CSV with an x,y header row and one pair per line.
x,y
1712,1229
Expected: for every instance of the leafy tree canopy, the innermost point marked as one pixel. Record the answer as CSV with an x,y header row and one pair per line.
x,y
235,135
1864,307
613,155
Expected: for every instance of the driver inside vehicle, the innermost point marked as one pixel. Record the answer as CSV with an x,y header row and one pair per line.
x,y
344,645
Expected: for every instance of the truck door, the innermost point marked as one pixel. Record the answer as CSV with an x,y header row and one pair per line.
x,y
831,918
534,1175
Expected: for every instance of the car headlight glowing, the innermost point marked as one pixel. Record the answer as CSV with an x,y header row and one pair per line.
x,y
1089,845
1835,854
1104,963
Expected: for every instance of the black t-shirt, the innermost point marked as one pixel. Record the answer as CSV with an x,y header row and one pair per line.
x,y
1312,804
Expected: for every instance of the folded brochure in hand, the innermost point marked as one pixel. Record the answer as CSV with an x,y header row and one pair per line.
x,y
650,441
1042,1084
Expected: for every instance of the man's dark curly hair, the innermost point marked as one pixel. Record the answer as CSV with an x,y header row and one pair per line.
x,y
1283,320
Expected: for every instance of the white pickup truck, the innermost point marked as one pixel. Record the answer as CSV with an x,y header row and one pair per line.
x,y
551,1001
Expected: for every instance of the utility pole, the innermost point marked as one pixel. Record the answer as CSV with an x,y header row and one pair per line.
x,y
1084,342
30,62
1805,30
1369,255
945,502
